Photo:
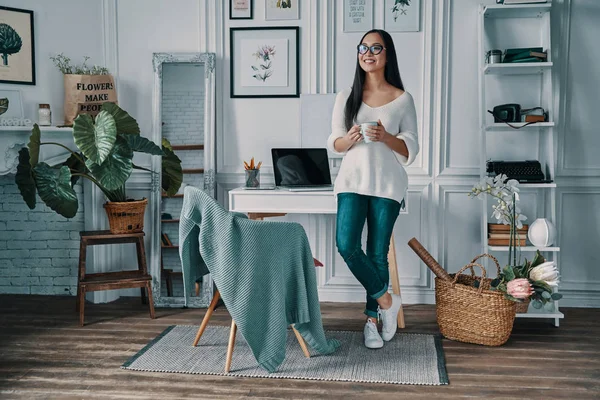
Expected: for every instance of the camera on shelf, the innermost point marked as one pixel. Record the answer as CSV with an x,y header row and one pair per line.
x,y
514,113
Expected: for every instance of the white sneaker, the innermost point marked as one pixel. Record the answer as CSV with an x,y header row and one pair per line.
x,y
372,338
389,318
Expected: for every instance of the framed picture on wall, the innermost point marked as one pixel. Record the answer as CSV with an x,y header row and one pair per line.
x,y
11,104
264,62
17,53
282,9
240,9
358,15
402,15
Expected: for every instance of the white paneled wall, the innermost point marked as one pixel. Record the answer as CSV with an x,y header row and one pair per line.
x,y
438,66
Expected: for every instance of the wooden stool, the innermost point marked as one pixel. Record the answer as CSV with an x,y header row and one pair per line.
x,y
393,267
112,280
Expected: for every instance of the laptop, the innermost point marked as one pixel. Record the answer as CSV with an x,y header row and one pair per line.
x,y
301,169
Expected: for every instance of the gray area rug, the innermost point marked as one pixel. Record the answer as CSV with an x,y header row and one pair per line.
x,y
414,359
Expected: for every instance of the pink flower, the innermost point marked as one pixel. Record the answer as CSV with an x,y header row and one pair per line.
x,y
519,288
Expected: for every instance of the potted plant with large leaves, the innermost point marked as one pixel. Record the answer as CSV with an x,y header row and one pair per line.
x,y
106,144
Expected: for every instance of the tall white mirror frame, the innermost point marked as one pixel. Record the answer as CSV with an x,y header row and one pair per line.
x,y
159,60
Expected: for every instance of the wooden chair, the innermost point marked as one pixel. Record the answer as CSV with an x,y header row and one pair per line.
x,y
233,329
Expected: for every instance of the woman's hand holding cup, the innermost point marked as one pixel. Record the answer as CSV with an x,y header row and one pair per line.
x,y
374,131
353,135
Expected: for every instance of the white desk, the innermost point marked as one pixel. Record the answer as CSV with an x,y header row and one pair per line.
x,y
260,204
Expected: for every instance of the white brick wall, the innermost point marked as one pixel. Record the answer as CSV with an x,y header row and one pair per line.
x,y
39,249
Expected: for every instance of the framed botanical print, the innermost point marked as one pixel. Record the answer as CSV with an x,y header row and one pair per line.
x,y
17,51
240,9
402,15
264,62
282,9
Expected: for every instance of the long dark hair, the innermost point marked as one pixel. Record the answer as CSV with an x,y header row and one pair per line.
x,y
391,74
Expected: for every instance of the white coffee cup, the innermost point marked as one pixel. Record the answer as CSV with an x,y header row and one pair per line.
x,y
363,130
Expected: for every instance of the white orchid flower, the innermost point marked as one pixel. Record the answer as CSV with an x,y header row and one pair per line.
x,y
519,220
546,272
500,179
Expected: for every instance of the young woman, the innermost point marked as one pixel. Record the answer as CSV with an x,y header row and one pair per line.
x,y
371,183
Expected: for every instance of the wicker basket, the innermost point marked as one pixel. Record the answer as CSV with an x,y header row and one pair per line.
x,y
523,307
126,216
473,315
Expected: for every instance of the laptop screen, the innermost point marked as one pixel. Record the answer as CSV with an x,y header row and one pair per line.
x,y
301,167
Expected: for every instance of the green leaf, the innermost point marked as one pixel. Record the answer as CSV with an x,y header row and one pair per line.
x,y
141,168
143,145
542,285
508,273
546,295
167,144
24,178
126,124
509,297
556,296
95,140
75,165
172,174
34,145
537,304
116,195
56,191
115,171
537,260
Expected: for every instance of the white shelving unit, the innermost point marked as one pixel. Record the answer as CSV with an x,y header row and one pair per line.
x,y
516,26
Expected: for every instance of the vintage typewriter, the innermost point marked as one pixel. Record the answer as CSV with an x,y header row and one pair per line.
x,y
529,171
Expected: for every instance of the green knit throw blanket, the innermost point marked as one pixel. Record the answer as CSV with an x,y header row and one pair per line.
x,y
264,271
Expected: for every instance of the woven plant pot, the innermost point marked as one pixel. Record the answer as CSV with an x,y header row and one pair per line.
x,y
473,315
126,216
523,307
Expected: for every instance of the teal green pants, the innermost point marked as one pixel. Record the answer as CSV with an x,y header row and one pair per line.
x,y
371,269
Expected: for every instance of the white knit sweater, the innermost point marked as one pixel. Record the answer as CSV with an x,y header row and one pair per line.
x,y
373,168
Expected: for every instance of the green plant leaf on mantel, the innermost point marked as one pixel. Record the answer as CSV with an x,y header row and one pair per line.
x,y
56,191
126,124
95,140
172,174
143,145
116,169
24,178
141,168
34,145
75,165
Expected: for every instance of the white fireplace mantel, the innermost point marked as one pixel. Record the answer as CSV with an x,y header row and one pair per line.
x,y
13,138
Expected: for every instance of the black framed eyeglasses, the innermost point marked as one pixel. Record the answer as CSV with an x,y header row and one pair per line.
x,y
375,49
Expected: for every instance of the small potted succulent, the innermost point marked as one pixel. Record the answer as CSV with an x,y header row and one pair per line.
x,y
106,144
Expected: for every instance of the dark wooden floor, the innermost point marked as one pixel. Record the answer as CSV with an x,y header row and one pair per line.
x,y
45,354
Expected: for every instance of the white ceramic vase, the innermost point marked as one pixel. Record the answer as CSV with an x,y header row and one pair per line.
x,y
541,233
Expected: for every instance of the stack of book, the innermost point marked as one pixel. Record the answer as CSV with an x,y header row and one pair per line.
x,y
525,55
499,235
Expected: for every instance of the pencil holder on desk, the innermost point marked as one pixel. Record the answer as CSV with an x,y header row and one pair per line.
x,y
252,177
